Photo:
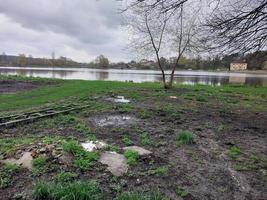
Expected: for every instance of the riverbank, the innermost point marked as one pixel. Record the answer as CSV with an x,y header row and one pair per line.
x,y
204,142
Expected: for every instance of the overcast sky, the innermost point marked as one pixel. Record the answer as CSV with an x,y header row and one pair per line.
x,y
78,29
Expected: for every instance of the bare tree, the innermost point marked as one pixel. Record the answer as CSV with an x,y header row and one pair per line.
x,y
231,25
159,34
238,26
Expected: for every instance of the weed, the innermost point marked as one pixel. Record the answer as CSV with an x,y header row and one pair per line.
x,y
132,157
201,99
185,137
181,192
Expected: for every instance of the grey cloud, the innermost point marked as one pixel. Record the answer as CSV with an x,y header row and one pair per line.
x,y
89,26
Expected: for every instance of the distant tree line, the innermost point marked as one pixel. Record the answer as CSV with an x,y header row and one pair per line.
x,y
256,61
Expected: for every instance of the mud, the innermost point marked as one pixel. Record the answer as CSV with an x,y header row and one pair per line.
x,y
12,86
204,169
114,120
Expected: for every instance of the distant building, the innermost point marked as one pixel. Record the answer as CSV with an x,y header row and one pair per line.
x,y
238,65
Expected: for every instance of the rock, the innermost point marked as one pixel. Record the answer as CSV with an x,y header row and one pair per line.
x,y
141,151
25,161
43,150
117,163
93,145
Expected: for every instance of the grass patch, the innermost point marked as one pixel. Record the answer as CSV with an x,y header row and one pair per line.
x,y
132,157
126,140
145,139
65,177
184,137
6,173
234,152
160,171
141,196
181,192
78,190
83,159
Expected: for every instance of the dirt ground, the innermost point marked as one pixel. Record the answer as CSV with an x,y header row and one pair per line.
x,y
14,86
206,169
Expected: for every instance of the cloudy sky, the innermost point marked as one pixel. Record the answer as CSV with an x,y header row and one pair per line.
x,y
78,29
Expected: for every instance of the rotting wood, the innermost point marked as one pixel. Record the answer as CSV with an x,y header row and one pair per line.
x,y
37,116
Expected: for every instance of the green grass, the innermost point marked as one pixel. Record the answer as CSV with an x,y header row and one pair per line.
x,y
65,177
160,171
181,192
83,159
145,139
138,195
132,157
78,190
126,140
6,173
234,152
184,137
39,161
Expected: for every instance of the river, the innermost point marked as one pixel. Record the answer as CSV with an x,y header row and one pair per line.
x,y
185,77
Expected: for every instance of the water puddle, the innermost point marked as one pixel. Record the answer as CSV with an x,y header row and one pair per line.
x,y
93,145
115,120
25,161
117,163
119,99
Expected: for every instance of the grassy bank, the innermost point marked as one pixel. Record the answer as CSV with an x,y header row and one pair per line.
x,y
69,89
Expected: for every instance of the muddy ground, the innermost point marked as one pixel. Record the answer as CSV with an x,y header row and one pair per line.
x,y
14,86
208,169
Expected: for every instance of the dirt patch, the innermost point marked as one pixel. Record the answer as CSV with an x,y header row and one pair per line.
x,y
13,86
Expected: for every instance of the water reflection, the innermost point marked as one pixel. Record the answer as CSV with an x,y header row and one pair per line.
x,y
186,77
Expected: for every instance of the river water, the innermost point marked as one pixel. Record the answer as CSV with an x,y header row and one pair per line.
x,y
185,77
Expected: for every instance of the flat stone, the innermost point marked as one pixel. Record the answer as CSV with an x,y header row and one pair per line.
x,y
25,161
117,163
141,151
93,145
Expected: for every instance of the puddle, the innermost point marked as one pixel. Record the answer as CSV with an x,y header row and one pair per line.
x,y
93,145
117,163
115,120
119,99
141,151
25,161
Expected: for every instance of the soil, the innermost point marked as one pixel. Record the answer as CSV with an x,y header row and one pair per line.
x,y
13,86
204,169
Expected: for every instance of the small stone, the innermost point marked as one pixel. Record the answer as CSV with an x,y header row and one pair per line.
x,y
43,150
